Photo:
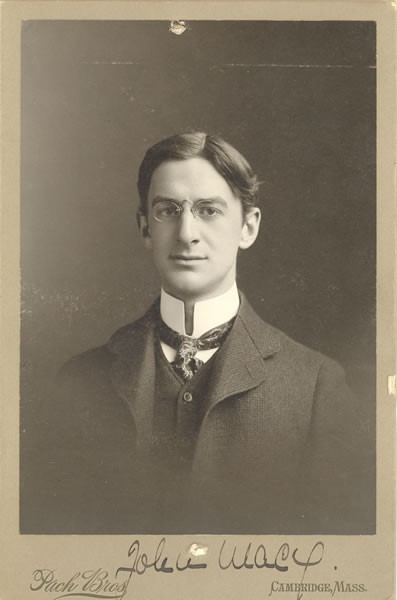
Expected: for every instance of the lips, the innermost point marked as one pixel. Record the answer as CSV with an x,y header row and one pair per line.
x,y
186,257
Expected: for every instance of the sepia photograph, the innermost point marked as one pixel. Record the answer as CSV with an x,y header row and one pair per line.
x,y
198,277
198,360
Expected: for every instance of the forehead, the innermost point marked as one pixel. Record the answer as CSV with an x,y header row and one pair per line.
x,y
189,179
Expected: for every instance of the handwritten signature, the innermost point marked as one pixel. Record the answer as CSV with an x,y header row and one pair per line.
x,y
231,556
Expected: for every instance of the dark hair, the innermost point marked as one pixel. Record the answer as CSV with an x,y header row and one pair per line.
x,y
229,163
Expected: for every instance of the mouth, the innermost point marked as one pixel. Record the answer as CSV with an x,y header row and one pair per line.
x,y
187,258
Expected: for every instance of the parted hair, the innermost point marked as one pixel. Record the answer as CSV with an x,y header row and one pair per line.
x,y
228,161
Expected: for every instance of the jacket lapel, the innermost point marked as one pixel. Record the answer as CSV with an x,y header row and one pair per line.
x,y
240,363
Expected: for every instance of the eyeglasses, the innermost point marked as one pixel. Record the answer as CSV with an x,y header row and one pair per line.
x,y
167,211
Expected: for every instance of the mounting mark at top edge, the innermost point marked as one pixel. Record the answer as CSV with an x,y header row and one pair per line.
x,y
178,27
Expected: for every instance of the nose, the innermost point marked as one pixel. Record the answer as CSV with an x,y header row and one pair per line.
x,y
188,230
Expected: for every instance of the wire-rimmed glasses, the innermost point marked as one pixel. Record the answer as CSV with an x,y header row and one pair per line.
x,y
168,211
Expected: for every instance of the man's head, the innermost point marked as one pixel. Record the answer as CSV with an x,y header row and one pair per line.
x,y
225,159
197,208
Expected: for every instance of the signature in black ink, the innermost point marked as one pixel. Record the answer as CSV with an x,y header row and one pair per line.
x,y
100,585
257,558
141,563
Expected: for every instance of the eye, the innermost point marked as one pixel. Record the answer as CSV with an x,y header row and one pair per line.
x,y
208,211
169,210
166,210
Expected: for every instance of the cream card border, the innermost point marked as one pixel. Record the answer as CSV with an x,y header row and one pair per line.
x,y
365,559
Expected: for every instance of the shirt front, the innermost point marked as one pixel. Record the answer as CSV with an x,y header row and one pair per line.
x,y
207,315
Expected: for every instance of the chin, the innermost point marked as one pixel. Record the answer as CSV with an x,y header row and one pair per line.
x,y
186,289
186,292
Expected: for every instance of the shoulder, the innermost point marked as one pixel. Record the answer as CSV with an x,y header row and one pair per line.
x,y
297,353
286,353
86,384
293,369
304,367
98,359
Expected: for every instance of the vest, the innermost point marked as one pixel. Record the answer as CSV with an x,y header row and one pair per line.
x,y
178,411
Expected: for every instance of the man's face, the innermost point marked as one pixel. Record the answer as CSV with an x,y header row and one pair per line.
x,y
195,255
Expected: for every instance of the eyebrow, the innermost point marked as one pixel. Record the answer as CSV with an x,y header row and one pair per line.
x,y
214,199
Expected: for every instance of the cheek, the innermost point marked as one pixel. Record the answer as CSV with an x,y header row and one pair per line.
x,y
228,236
160,240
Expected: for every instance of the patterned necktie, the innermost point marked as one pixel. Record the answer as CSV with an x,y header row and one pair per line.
x,y
185,363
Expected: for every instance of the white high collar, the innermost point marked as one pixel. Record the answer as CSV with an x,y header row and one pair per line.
x,y
207,313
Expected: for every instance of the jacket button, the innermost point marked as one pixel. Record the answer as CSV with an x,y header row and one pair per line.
x,y
187,396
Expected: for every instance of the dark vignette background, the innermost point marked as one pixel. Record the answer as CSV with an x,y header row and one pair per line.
x,y
297,98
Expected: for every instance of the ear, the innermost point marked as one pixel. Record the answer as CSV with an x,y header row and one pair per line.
x,y
144,229
250,230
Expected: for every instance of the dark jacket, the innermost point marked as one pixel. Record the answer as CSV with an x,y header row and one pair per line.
x,y
281,448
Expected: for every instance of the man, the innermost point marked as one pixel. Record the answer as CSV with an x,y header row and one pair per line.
x,y
200,417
